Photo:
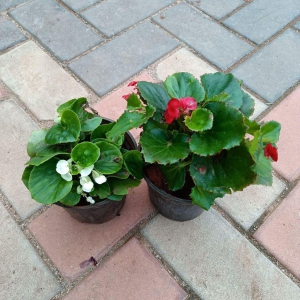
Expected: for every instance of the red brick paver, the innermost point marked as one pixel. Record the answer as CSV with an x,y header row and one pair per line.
x,y
287,114
68,242
280,232
132,273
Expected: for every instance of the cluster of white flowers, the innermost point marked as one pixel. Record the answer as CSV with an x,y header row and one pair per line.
x,y
63,167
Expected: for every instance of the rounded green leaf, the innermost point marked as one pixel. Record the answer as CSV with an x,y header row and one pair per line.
x,y
158,146
111,159
91,124
133,162
36,142
85,154
270,132
46,185
26,175
102,190
73,197
247,107
121,186
200,119
66,132
175,175
228,131
100,131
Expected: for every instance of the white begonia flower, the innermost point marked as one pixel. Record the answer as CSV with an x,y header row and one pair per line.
x,y
86,183
67,176
91,200
79,190
62,167
87,171
99,178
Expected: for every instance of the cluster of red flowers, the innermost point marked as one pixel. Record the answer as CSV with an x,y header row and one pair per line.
x,y
270,151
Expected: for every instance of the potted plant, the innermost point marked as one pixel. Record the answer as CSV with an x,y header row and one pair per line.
x,y
199,144
84,163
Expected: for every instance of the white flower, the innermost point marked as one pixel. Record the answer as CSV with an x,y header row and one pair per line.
x,y
67,176
91,200
87,171
98,177
62,167
79,190
86,183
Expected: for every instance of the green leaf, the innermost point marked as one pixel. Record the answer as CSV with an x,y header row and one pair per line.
x,y
203,198
263,165
201,119
252,126
111,159
37,160
218,83
122,174
247,107
102,190
85,154
91,124
133,162
230,169
270,132
182,85
26,175
175,175
268,180
36,142
67,131
100,131
77,107
66,105
129,120
121,186
158,146
228,131
152,124
133,102
114,197
73,197
218,98
46,185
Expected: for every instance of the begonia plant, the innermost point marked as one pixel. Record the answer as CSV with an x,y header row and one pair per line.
x,y
76,160
201,131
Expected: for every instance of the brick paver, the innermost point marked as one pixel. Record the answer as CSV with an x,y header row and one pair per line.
x,y
274,69
23,274
211,40
247,206
14,137
132,273
287,114
114,16
10,34
2,93
217,261
56,28
297,25
69,242
78,5
217,8
5,4
280,232
261,19
38,80
121,58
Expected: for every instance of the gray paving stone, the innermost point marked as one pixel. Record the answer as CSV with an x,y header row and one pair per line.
x,y
113,16
274,69
56,28
121,58
217,261
78,5
208,38
261,19
297,25
38,80
23,274
217,8
10,35
15,129
6,4
247,206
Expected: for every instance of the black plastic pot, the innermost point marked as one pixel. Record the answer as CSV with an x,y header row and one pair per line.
x,y
105,210
171,207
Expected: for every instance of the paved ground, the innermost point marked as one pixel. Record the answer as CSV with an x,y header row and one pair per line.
x,y
246,248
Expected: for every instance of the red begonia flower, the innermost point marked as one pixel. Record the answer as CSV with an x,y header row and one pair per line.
x,y
270,151
126,96
132,83
188,103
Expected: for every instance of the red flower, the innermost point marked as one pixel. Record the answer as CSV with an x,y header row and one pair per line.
x,y
270,151
177,107
126,96
132,83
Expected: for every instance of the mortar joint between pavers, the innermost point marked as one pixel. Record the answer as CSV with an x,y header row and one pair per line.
x,y
90,6
234,11
18,5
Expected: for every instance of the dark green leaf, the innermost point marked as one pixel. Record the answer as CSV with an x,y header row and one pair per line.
x,y
175,175
133,162
152,124
66,105
247,107
133,102
114,197
122,174
102,190
26,175
100,131
85,154
121,186
36,141
270,132
252,126
91,124
37,160
201,119
73,197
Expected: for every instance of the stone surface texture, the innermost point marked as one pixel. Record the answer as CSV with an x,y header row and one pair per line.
x,y
297,25
279,234
56,28
113,16
287,114
78,5
6,4
38,80
70,242
119,59
14,137
10,35
273,69
217,261
211,40
261,19
247,206
132,273
18,261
